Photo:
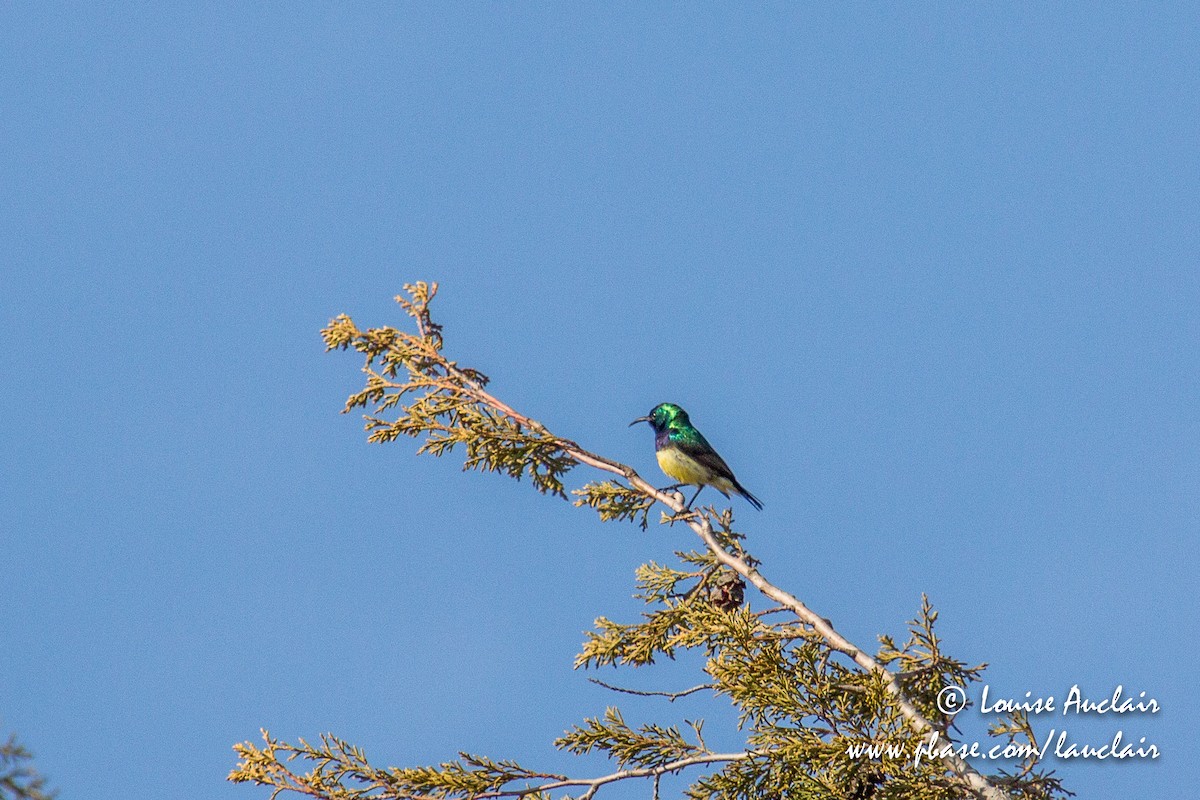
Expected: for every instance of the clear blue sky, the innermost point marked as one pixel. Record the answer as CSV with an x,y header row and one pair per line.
x,y
927,275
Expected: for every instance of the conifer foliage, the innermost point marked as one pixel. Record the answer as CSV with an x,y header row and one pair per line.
x,y
808,699
19,779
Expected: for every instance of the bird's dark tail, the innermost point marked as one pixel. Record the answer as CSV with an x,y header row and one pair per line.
x,y
754,501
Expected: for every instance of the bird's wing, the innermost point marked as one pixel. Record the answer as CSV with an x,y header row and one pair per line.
x,y
698,448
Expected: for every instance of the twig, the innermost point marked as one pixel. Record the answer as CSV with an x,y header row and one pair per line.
x,y
594,784
671,696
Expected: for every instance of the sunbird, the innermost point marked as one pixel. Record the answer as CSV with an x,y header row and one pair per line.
x,y
686,456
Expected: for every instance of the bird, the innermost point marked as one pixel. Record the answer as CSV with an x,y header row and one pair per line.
x,y
686,456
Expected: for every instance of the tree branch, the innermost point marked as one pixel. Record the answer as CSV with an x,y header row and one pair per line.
x,y
701,524
499,438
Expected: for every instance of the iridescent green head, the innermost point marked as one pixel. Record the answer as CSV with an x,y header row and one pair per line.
x,y
663,416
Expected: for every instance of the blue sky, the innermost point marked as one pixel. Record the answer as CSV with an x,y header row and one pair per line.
x,y
926,275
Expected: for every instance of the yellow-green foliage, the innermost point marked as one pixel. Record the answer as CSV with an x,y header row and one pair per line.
x,y
615,502
441,399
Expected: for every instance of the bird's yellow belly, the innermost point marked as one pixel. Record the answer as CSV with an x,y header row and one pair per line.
x,y
685,469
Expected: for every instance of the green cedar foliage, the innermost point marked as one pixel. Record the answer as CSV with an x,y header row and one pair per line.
x,y
802,703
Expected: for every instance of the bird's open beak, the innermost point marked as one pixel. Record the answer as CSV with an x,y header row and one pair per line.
x,y
639,419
